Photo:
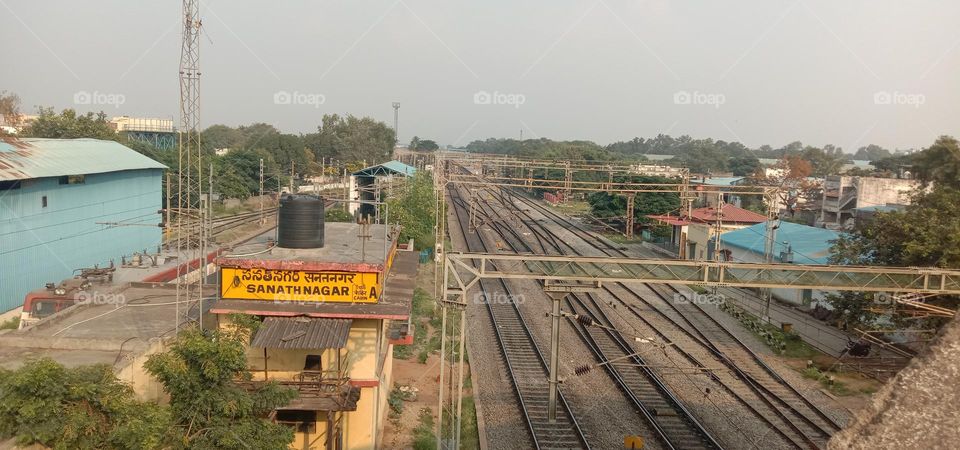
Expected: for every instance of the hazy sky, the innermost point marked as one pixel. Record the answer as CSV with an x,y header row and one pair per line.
x,y
759,71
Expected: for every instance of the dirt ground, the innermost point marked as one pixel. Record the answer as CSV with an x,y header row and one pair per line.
x,y
424,377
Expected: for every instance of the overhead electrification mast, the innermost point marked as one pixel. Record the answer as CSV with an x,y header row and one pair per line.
x,y
191,221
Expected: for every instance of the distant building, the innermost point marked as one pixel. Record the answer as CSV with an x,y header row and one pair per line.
x,y
690,235
371,184
67,204
794,244
843,195
157,132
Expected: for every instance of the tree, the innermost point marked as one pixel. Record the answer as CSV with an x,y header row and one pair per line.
x,y
428,145
208,409
925,234
939,164
605,205
238,172
69,125
9,110
791,176
351,138
45,403
414,143
743,166
826,161
413,209
871,153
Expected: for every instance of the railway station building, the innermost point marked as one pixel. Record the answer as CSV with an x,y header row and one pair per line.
x,y
67,204
330,308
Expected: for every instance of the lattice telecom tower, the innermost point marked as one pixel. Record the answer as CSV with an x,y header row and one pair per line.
x,y
191,220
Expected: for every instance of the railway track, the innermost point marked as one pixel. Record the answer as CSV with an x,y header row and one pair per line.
x,y
675,426
523,359
803,423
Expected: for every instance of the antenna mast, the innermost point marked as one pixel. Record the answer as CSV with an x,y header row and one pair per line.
x,y
191,220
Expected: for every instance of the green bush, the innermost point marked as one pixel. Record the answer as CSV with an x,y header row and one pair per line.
x,y
423,435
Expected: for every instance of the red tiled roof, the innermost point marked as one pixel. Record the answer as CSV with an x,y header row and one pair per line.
x,y
731,214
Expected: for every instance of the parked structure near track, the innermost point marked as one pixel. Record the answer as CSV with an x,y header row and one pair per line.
x,y
67,204
369,183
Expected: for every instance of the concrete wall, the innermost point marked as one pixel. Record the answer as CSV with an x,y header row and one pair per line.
x,y
46,244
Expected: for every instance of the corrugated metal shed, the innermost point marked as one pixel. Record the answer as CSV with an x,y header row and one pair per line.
x,y
30,158
302,333
390,167
810,245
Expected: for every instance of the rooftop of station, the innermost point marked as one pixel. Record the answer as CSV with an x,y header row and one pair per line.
x,y
344,248
112,324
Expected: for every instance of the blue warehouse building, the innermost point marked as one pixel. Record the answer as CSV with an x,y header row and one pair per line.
x,y
67,204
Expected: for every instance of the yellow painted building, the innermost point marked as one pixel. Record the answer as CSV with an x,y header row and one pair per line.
x,y
329,319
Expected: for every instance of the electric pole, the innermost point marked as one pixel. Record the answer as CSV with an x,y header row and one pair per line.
x,y
261,192
396,123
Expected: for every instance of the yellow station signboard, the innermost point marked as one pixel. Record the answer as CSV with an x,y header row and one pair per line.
x,y
299,285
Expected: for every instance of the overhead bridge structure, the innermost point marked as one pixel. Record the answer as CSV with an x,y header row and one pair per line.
x,y
463,270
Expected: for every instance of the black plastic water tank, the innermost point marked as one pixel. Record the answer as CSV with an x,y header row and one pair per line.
x,y
300,222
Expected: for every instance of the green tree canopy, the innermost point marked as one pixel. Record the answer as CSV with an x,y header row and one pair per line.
x,y
69,408
413,209
208,409
70,125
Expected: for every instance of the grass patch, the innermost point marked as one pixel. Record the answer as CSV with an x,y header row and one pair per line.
x,y
828,381
423,435
12,324
469,435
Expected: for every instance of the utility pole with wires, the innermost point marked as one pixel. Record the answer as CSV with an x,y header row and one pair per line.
x,y
189,178
262,219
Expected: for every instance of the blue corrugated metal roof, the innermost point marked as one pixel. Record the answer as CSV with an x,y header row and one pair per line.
x,y
810,245
394,166
28,158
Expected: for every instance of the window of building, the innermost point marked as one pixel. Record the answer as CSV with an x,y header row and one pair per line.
x,y
305,421
9,185
43,201
73,179
312,363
